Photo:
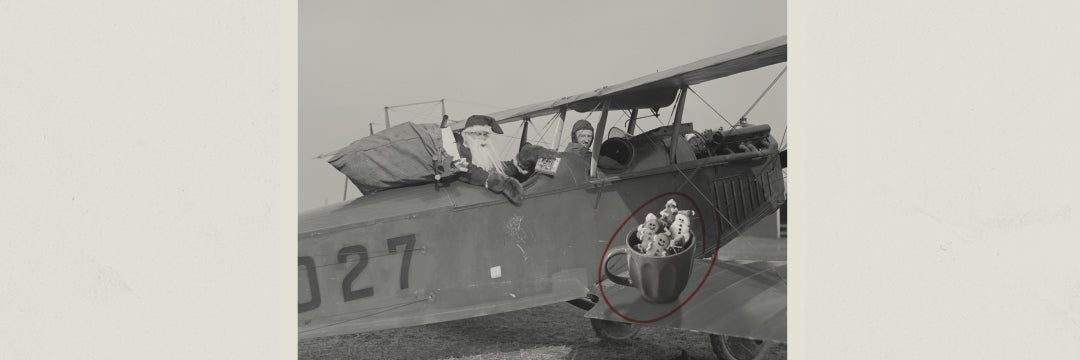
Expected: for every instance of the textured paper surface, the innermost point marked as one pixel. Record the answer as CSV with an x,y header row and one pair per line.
x,y
149,188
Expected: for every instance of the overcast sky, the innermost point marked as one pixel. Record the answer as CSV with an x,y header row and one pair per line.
x,y
485,56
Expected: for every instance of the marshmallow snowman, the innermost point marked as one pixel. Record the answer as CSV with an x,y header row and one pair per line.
x,y
680,228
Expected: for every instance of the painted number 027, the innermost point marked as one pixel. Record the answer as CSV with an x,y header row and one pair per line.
x,y
359,251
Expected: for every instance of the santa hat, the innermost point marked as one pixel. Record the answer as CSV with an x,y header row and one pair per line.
x,y
483,120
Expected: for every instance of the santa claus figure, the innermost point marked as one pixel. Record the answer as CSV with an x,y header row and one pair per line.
x,y
482,164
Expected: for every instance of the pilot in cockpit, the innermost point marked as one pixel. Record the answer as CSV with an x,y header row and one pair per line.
x,y
581,137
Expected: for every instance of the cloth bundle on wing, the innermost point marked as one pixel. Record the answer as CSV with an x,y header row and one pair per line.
x,y
403,155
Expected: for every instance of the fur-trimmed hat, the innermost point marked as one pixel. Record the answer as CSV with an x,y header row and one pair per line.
x,y
483,120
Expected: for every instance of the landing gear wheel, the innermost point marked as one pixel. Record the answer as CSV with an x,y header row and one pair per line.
x,y
737,348
613,330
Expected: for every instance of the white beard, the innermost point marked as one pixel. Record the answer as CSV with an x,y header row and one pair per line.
x,y
483,154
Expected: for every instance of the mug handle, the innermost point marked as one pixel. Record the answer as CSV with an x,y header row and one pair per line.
x,y
616,278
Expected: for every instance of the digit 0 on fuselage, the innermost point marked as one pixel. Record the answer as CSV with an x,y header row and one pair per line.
x,y
425,253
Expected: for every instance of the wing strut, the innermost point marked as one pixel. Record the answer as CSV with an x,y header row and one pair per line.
x,y
524,132
562,123
675,135
598,137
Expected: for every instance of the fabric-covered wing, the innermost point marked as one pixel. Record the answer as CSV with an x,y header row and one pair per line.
x,y
658,89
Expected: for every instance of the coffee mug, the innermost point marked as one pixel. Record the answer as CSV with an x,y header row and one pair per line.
x,y
660,279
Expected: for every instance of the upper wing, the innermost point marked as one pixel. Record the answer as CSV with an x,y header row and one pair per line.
x,y
658,89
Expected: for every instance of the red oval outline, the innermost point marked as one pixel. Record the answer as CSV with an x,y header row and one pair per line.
x,y
600,271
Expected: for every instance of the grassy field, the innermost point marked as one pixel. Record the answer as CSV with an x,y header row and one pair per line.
x,y
557,331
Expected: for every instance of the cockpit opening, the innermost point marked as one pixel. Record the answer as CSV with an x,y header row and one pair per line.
x,y
616,154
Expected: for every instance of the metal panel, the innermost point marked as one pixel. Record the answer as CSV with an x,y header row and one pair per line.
x,y
759,191
736,197
744,203
748,196
768,186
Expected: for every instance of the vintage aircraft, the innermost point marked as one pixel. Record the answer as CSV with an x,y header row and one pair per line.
x,y
430,253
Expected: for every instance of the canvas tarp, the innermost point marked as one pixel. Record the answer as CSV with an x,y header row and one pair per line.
x,y
398,156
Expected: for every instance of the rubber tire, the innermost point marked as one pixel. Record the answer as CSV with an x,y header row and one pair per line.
x,y
736,348
614,330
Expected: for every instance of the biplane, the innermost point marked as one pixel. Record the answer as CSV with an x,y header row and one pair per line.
x,y
430,253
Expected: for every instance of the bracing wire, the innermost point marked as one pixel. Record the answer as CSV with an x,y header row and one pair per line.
x,y
587,115
417,114
763,93
672,114
782,139
543,132
710,107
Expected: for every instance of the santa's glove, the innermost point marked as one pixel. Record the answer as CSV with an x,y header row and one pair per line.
x,y
529,154
513,190
494,182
